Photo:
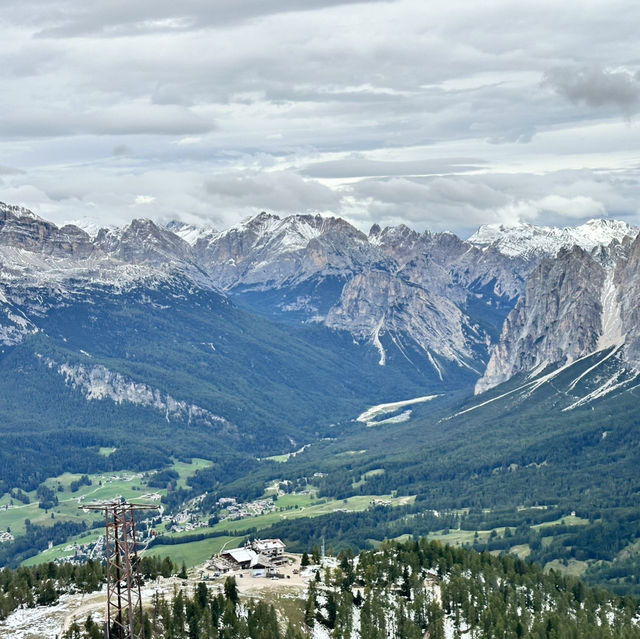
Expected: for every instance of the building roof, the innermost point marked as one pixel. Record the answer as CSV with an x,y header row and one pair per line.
x,y
268,544
241,555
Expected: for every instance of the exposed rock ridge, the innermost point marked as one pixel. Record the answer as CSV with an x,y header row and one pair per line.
x,y
627,282
98,383
575,305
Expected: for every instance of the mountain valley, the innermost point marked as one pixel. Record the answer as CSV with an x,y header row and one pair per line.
x,y
258,347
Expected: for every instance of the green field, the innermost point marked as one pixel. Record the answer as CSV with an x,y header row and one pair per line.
x,y
279,458
60,551
195,552
321,507
572,567
458,537
371,473
569,520
286,509
132,486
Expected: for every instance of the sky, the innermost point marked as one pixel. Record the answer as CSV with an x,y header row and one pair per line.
x,y
441,116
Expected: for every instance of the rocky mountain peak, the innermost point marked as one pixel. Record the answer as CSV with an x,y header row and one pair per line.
x,y
190,233
21,229
144,241
401,291
531,242
15,211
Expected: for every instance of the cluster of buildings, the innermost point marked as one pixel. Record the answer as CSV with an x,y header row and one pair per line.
x,y
5,536
190,518
250,509
81,553
262,556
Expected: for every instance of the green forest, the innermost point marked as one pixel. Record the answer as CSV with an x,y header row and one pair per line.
x,y
401,590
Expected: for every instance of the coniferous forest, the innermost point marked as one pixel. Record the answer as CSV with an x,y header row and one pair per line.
x,y
402,590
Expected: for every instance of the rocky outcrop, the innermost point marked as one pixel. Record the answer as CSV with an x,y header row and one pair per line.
x,y
142,242
268,252
99,383
570,309
377,304
21,229
626,282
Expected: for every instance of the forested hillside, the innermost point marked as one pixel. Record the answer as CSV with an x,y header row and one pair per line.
x,y
400,590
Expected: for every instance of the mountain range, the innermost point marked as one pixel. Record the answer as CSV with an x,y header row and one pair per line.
x,y
243,333
507,300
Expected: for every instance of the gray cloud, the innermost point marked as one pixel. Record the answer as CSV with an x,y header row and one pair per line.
x,y
119,119
274,190
121,150
119,17
462,203
10,170
362,167
597,87
328,105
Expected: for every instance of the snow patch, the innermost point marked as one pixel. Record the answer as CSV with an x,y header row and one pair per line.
x,y
383,409
434,364
612,332
618,380
190,233
591,368
378,344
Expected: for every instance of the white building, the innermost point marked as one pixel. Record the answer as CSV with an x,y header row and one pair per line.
x,y
240,557
268,547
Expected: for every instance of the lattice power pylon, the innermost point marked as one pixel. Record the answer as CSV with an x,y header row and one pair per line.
x,y
124,598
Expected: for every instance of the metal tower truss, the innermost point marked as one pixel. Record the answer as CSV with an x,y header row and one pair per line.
x,y
124,597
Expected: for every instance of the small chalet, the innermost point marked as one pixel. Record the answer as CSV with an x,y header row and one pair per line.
x,y
240,558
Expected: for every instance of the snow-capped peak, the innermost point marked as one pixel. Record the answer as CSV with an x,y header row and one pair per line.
x,y
530,241
288,234
18,211
89,226
190,233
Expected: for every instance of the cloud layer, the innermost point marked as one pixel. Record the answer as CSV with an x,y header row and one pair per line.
x,y
381,111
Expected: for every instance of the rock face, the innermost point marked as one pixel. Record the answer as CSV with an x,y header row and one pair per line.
x,y
267,252
98,383
578,304
556,321
21,229
626,297
377,302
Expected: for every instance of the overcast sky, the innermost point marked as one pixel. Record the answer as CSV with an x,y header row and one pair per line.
x,y
438,115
